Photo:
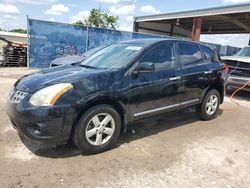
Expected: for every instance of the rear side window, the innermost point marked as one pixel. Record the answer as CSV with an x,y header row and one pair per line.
x,y
190,53
162,56
208,52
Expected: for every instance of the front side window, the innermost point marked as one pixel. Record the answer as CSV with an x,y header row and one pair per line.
x,y
163,57
115,56
190,54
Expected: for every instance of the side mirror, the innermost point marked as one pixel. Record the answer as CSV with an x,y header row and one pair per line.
x,y
144,67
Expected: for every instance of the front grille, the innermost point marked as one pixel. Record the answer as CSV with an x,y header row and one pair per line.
x,y
239,71
239,63
238,68
17,96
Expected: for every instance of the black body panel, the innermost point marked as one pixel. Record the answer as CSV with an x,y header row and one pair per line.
x,y
134,96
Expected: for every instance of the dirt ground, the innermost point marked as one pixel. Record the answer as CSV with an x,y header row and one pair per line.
x,y
175,150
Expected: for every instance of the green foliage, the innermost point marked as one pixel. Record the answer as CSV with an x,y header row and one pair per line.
x,y
79,22
111,21
99,18
18,31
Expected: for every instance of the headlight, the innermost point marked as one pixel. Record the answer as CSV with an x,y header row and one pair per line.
x,y
49,95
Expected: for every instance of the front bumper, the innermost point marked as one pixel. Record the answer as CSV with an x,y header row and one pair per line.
x,y
49,125
237,82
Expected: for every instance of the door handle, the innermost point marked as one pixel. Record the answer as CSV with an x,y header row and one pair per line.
x,y
175,78
208,72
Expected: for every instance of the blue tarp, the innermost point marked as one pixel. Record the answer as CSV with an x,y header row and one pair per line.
x,y
99,37
48,41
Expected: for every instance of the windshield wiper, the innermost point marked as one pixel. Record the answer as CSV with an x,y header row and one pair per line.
x,y
88,66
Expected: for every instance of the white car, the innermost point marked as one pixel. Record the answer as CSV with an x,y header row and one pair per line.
x,y
239,69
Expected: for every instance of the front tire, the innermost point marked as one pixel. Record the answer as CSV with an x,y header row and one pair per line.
x,y
97,130
210,105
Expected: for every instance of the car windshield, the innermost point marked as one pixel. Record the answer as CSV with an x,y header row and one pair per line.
x,y
114,56
244,52
92,51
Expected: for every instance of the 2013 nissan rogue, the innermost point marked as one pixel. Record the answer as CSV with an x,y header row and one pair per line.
x,y
124,82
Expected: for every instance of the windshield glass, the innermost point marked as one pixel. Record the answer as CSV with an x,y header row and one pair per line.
x,y
92,51
113,57
244,52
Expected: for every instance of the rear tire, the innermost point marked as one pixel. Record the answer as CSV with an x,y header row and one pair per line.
x,y
97,130
210,105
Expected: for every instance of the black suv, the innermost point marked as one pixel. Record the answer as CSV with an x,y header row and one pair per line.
x,y
124,82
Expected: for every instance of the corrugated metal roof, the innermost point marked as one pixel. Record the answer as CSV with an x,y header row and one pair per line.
x,y
232,9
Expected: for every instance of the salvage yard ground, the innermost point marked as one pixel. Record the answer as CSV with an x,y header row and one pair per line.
x,y
175,150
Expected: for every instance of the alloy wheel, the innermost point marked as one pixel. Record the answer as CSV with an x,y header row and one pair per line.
x,y
212,104
100,129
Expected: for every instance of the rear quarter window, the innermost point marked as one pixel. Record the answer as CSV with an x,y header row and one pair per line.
x,y
208,52
190,53
216,57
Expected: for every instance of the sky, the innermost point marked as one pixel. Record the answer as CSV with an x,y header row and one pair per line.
x,y
13,12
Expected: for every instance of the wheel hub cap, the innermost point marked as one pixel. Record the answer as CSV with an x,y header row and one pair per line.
x,y
100,129
212,104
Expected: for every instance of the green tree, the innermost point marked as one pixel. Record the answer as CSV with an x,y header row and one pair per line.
x,y
111,21
79,22
18,31
99,18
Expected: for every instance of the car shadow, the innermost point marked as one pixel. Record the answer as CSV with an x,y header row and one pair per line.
x,y
135,131
51,151
155,125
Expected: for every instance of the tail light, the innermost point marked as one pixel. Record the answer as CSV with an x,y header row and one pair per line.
x,y
225,66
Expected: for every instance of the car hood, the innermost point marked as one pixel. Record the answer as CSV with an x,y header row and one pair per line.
x,y
68,60
61,74
236,58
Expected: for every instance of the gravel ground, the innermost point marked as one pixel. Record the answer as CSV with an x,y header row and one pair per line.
x,y
174,150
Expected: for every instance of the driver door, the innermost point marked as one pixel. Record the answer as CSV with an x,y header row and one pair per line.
x,y
158,90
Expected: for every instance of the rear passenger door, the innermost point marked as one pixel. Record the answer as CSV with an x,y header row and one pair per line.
x,y
195,72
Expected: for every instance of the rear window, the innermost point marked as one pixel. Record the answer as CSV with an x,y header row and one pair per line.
x,y
190,53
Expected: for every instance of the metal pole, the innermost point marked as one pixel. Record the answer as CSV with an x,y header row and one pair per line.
x,y
172,30
196,32
135,26
28,42
87,38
